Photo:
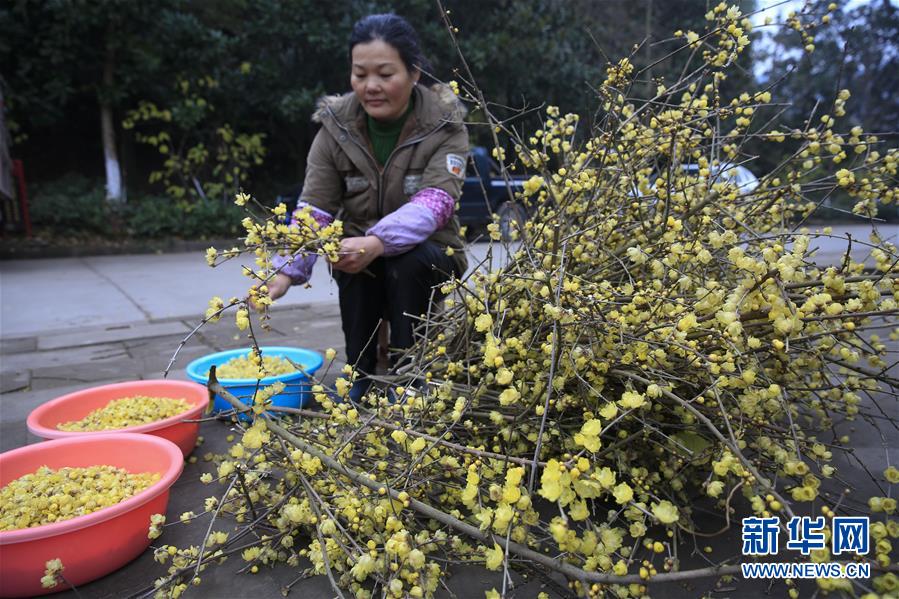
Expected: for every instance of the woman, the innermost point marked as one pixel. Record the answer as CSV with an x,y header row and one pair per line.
x,y
389,161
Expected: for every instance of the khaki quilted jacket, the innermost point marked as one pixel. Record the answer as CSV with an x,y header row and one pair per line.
x,y
344,179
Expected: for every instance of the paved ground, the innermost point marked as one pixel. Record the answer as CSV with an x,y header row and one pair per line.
x,y
70,323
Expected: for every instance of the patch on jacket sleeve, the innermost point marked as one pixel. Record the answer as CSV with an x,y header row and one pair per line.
x,y
356,184
411,184
455,164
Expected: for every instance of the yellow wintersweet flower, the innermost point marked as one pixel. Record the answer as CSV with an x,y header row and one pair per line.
x,y
608,411
891,474
606,477
665,512
714,488
364,566
256,435
687,322
509,396
502,517
470,493
589,435
551,486
251,553
532,185
578,511
631,400
51,577
493,558
156,523
623,493
511,491
503,376
215,306
514,476
483,323
293,512
242,319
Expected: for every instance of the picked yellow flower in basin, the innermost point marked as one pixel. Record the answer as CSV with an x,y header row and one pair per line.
x,y
47,495
127,411
248,367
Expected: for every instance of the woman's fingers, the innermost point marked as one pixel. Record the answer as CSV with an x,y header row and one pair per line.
x,y
358,253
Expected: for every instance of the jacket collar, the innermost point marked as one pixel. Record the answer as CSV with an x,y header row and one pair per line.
x,y
433,107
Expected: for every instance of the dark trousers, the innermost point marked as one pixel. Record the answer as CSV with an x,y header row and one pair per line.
x,y
401,285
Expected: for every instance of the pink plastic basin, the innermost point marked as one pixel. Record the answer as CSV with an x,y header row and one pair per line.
x,y
75,406
94,545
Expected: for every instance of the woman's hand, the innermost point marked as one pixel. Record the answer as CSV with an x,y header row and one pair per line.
x,y
277,286
356,253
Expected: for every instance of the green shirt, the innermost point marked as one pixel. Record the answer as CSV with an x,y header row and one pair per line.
x,y
385,134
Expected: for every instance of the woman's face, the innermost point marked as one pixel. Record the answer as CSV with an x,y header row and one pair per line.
x,y
381,80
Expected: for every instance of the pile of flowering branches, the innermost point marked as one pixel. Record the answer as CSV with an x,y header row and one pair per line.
x,y
661,338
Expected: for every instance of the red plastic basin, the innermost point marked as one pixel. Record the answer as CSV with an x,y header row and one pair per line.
x,y
43,420
94,545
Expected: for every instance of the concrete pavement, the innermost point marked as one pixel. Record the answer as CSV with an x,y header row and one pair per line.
x,y
60,293
67,293
37,296
67,324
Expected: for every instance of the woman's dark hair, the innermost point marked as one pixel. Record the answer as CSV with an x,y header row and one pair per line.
x,y
397,32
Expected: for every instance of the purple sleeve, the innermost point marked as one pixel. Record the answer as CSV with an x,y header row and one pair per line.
x,y
299,266
400,231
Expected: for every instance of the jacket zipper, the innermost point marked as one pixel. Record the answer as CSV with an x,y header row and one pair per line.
x,y
387,163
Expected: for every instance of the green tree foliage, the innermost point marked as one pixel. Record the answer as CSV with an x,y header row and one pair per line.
x,y
52,54
70,55
858,51
847,48
200,160
272,59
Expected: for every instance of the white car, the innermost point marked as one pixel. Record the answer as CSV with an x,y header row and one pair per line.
x,y
741,176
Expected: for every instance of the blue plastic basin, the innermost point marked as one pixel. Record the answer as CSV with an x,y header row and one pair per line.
x,y
297,385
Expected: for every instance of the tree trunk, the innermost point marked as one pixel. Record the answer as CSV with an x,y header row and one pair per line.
x,y
114,191
6,189
647,39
